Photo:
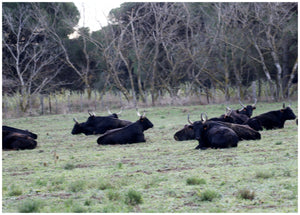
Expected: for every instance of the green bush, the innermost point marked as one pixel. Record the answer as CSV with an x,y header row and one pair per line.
x,y
104,185
30,206
195,181
113,195
77,186
69,166
246,194
133,198
208,195
263,174
14,191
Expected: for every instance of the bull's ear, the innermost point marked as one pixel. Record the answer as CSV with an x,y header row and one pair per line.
x,y
205,127
190,127
254,108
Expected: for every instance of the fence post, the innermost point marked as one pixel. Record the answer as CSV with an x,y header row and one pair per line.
x,y
56,104
42,104
81,102
50,106
95,94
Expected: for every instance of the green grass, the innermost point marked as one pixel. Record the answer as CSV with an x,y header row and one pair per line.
x,y
71,173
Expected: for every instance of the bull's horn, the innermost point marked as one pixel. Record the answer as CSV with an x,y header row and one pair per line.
x,y
75,120
241,104
228,111
202,117
255,100
91,114
109,112
120,111
188,118
137,112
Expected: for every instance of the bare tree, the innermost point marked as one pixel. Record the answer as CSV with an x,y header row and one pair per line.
x,y
31,60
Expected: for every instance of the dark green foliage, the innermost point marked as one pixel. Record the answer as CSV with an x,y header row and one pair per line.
x,y
195,181
246,194
30,206
77,186
14,190
69,166
208,195
133,197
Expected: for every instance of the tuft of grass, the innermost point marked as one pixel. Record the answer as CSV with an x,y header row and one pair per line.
x,y
69,166
113,195
77,186
195,181
104,185
263,174
246,194
133,198
30,206
79,209
208,195
278,143
14,190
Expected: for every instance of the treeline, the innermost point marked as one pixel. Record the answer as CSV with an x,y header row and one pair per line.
x,y
152,48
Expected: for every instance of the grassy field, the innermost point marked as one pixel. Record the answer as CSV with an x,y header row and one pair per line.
x,y
71,173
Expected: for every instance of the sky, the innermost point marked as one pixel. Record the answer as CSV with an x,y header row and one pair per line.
x,y
94,13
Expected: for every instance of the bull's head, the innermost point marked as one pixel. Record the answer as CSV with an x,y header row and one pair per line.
x,y
187,133
145,122
247,110
198,127
114,115
287,112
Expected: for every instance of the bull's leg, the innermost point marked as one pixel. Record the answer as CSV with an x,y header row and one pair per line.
x,y
140,138
201,146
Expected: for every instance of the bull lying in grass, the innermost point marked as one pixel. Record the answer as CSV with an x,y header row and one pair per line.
x,y
133,133
216,134
99,124
17,139
275,119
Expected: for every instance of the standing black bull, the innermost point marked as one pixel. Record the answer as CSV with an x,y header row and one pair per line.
x,y
15,139
275,119
98,125
133,133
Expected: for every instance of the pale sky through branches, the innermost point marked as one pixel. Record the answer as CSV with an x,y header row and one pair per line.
x,y
94,13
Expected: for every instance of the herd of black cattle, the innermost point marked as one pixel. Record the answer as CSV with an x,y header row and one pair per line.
x,y
219,132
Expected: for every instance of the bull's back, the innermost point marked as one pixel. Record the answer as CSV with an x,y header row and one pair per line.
x,y
222,137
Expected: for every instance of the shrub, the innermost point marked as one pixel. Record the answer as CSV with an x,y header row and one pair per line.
x,y
15,191
208,195
263,174
133,198
30,206
103,185
77,186
246,194
113,196
69,166
195,181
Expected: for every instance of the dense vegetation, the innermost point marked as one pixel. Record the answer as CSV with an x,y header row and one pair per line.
x,y
69,173
151,49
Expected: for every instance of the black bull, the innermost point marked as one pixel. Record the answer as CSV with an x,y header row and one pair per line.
x,y
216,134
98,125
133,133
275,119
16,139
